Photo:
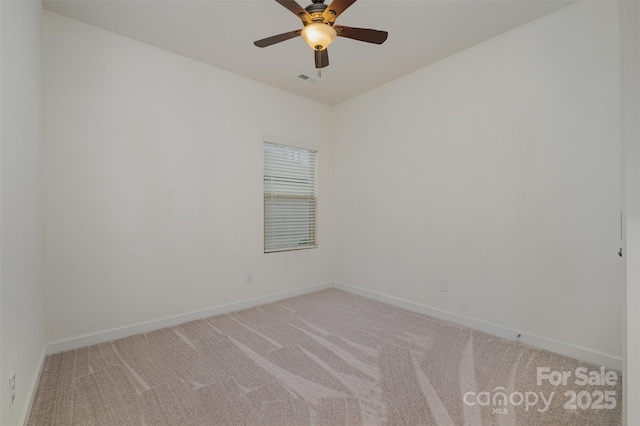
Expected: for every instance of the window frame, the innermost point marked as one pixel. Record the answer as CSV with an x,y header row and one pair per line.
x,y
313,152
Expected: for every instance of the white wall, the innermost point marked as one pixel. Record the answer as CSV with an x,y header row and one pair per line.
x,y
21,283
499,170
153,183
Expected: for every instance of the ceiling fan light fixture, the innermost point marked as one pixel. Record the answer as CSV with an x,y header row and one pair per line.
x,y
318,35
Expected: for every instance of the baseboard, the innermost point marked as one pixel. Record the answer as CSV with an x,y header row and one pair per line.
x,y
33,386
145,327
563,348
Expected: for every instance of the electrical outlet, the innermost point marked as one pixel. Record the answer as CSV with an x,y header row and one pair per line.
x,y
12,389
444,286
248,277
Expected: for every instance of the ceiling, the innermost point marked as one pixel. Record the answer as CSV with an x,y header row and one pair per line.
x,y
221,33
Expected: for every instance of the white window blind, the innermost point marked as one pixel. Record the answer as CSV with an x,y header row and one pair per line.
x,y
290,202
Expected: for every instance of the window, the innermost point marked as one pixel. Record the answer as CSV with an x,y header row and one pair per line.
x,y
290,201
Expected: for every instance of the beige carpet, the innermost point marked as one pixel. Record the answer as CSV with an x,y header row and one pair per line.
x,y
327,358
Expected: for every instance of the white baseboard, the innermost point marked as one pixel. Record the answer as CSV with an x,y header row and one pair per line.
x,y
145,327
33,386
563,348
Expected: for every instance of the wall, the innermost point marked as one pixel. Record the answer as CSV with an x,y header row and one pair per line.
x,y
21,283
498,170
153,183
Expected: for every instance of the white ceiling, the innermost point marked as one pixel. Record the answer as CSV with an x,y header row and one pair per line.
x,y
221,33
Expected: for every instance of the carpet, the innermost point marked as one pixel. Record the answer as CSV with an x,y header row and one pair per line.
x,y
326,358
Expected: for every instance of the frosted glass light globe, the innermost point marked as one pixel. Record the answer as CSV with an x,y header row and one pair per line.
x,y
318,36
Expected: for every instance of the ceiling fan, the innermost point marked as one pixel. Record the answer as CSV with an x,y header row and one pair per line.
x,y
318,28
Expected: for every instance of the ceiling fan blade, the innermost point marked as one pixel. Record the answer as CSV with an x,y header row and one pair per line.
x,y
362,34
277,38
294,7
337,7
322,58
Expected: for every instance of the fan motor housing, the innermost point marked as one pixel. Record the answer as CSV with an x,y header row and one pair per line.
x,y
316,9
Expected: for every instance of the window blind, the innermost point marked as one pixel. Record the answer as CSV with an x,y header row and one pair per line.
x,y
290,201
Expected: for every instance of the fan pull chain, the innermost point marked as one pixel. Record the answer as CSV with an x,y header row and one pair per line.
x,y
318,58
